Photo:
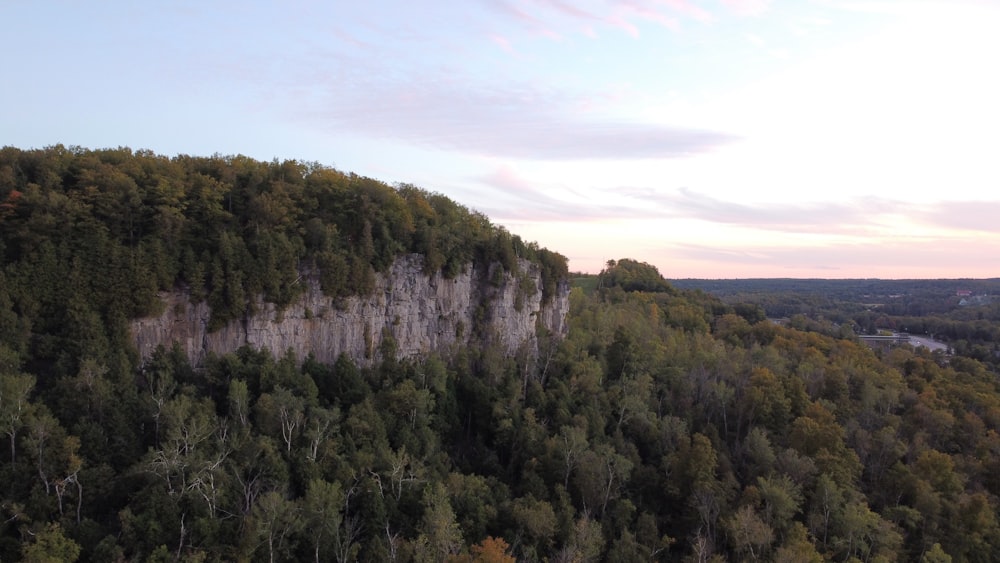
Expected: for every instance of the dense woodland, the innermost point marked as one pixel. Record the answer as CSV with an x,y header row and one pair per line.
x,y
87,238
668,425
970,324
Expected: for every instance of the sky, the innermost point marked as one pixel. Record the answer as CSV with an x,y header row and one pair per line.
x,y
710,138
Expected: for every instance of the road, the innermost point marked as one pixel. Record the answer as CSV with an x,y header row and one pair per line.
x,y
928,342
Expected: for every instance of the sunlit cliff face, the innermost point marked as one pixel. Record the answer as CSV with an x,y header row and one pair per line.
x,y
420,314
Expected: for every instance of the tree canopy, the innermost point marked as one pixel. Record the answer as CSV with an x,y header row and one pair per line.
x,y
632,275
667,425
88,238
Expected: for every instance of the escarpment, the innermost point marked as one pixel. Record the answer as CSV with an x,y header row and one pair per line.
x,y
409,314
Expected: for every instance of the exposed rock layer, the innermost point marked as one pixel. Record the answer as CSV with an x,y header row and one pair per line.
x,y
421,314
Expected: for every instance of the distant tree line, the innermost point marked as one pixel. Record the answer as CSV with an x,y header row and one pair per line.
x,y
846,307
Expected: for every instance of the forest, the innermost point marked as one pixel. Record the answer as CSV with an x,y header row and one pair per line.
x,y
963,313
668,424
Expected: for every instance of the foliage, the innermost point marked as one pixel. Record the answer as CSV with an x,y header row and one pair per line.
x,y
664,427
632,275
88,237
667,425
969,324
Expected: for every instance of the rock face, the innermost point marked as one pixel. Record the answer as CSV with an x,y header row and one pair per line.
x,y
420,313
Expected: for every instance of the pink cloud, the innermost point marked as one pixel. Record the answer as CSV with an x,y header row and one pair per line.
x,y
519,199
748,7
444,111
886,259
624,24
621,14
963,215
502,42
506,179
648,13
689,9
571,10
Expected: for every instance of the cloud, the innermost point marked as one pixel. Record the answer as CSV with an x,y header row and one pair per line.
x,y
625,14
519,199
748,7
500,121
396,79
824,217
978,216
860,216
877,258
502,42
548,16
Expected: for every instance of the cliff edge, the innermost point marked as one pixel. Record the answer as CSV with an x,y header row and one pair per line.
x,y
419,313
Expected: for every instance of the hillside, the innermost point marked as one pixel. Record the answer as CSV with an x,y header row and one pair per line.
x,y
660,424
90,239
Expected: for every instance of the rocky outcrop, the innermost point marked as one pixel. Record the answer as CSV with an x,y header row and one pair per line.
x,y
421,314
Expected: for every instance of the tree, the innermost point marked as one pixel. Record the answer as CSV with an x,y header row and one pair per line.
x,y
780,499
56,457
695,465
321,425
239,402
935,555
281,414
797,547
50,545
571,443
817,435
748,533
536,523
586,542
273,521
439,536
14,392
491,550
632,275
322,509
601,475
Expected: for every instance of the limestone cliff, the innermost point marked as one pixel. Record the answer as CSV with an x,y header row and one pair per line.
x,y
421,314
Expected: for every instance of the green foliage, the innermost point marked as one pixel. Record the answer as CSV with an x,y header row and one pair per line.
x,y
50,545
664,427
106,229
970,326
632,275
667,425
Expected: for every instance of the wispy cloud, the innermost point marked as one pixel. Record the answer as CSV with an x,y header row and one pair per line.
x,y
978,216
859,216
624,14
509,121
910,258
748,7
847,217
502,42
889,221
519,199
560,17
